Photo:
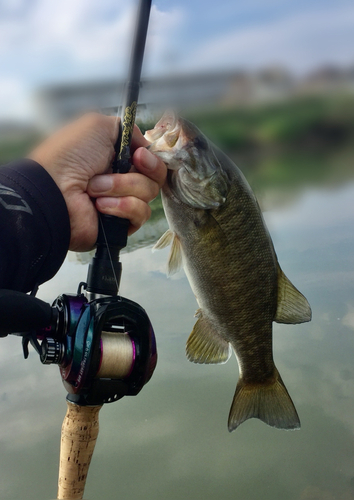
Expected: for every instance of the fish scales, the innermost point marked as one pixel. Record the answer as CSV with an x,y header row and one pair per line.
x,y
218,229
233,307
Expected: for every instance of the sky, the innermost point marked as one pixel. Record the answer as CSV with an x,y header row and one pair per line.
x,y
46,42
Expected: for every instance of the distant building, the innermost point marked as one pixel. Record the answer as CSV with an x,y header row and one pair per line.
x,y
58,104
61,103
273,83
328,79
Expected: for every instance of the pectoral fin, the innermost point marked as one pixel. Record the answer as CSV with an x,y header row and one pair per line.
x,y
164,241
207,193
205,345
292,305
175,257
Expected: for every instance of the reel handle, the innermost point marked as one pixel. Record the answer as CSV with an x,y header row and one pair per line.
x,y
78,439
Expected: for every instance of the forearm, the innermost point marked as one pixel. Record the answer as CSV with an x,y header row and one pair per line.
x,y
34,226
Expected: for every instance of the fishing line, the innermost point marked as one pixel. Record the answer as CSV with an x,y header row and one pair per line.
x,y
109,251
118,353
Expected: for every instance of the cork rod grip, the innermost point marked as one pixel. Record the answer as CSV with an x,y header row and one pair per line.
x,y
78,438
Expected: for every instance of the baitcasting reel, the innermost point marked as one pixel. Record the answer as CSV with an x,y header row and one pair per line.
x,y
104,344
105,348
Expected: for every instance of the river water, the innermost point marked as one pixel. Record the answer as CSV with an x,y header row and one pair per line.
x,y
171,441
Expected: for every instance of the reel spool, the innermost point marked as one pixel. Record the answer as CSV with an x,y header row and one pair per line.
x,y
117,355
105,348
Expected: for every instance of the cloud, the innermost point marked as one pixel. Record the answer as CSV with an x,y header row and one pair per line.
x,y
163,38
321,208
67,39
47,39
299,41
348,319
14,102
55,38
45,42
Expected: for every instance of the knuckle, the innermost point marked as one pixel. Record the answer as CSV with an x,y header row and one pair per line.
x,y
126,183
144,215
147,212
92,118
162,172
155,191
101,122
140,212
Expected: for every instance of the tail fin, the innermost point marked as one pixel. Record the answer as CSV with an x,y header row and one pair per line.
x,y
269,402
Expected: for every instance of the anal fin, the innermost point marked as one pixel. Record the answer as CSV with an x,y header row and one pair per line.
x,y
204,345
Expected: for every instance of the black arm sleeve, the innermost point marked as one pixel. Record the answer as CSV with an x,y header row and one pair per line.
x,y
34,226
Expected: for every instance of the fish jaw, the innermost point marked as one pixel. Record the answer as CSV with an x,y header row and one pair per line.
x,y
166,140
196,177
166,123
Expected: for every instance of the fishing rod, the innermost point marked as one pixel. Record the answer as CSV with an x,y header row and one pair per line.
x,y
104,344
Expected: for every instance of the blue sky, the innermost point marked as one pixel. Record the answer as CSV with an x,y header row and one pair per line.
x,y
50,41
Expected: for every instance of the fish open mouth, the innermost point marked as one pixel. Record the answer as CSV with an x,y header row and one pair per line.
x,y
195,176
166,137
165,125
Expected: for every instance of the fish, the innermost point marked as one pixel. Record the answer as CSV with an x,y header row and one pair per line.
x,y
217,233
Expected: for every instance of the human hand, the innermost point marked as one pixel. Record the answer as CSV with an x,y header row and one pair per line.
x,y
78,158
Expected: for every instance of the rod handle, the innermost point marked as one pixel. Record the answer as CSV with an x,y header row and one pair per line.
x,y
78,438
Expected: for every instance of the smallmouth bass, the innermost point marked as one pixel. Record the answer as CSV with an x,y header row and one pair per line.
x,y
217,232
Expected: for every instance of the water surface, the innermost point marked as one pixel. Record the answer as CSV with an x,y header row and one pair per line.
x,y
171,441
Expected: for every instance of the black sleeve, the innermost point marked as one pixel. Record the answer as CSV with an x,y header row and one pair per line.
x,y
34,226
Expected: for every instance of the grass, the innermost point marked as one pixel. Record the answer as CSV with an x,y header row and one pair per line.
x,y
303,140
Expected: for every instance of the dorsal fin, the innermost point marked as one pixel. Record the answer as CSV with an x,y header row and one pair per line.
x,y
292,305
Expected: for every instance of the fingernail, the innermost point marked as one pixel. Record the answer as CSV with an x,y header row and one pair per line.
x,y
150,160
101,183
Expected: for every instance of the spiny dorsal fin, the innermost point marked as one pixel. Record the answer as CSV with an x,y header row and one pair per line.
x,y
164,241
292,305
269,401
205,345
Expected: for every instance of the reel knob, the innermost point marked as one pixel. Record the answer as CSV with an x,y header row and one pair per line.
x,y
52,351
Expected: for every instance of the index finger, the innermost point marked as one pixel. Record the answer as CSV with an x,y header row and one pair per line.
x,y
150,165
